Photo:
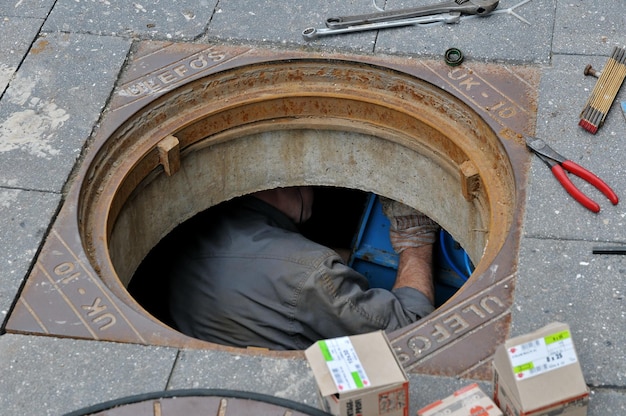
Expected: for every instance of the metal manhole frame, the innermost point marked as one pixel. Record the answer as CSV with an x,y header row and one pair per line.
x,y
482,316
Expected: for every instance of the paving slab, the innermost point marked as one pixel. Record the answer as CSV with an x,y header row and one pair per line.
x,y
607,402
281,23
561,280
516,41
286,378
181,20
52,105
589,27
26,8
16,36
25,216
496,37
551,212
53,376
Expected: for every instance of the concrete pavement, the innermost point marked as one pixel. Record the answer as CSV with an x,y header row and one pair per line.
x,y
60,62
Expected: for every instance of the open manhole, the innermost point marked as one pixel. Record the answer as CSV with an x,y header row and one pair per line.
x,y
192,126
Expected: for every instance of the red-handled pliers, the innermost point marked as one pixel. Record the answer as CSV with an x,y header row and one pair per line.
x,y
559,164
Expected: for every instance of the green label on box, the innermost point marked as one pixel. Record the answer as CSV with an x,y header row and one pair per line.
x,y
344,364
542,355
551,339
325,352
523,367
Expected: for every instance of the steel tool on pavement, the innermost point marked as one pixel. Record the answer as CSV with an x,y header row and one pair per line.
x,y
447,12
311,33
609,250
559,164
473,7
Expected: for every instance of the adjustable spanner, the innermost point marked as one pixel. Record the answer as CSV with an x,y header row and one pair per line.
x,y
447,12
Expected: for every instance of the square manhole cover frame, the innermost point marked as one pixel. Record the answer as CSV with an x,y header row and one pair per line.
x,y
504,96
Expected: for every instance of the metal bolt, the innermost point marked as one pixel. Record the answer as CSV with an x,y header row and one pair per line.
x,y
590,71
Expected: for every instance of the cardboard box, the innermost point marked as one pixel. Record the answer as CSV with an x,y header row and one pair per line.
x,y
539,374
359,375
468,401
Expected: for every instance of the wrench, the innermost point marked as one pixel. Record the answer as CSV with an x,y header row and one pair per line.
x,y
312,33
473,7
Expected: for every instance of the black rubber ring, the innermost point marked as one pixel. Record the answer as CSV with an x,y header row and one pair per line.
x,y
454,57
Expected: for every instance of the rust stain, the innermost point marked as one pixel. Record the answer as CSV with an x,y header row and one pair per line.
x,y
40,46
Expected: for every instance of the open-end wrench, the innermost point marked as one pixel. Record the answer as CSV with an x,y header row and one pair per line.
x,y
312,33
473,7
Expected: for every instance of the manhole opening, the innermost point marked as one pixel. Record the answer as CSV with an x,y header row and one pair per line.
x,y
292,123
335,221
339,215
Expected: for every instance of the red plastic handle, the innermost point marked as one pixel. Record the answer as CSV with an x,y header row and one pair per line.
x,y
583,173
584,200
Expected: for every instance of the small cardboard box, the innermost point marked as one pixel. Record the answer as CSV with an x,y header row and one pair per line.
x,y
539,374
468,401
359,375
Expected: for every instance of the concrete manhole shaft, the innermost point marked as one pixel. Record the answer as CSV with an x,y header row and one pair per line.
x,y
212,123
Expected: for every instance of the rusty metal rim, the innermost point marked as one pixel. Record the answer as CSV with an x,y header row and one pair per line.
x,y
125,161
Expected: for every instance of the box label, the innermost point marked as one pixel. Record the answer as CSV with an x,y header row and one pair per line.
x,y
344,364
542,355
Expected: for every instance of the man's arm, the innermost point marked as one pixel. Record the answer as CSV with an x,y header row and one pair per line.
x,y
415,270
337,299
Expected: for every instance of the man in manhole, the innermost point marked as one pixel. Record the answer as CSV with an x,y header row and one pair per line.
x,y
247,277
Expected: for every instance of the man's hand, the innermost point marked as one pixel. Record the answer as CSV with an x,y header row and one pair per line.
x,y
409,227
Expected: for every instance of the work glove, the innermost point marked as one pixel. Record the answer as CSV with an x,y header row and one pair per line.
x,y
408,227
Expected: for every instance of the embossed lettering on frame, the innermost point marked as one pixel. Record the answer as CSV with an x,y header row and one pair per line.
x,y
173,74
503,108
97,313
67,271
449,327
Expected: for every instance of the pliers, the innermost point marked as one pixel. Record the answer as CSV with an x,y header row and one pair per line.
x,y
558,164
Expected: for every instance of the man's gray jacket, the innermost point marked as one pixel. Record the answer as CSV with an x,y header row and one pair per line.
x,y
247,277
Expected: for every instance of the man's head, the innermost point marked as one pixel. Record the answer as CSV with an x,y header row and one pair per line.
x,y
296,202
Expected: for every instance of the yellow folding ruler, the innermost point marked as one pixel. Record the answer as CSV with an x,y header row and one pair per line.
x,y
604,93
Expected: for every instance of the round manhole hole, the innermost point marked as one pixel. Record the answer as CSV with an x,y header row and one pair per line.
x,y
290,124
260,124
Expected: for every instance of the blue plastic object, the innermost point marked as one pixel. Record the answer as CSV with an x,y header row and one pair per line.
x,y
454,256
373,256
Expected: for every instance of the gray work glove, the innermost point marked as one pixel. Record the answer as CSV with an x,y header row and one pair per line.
x,y
409,227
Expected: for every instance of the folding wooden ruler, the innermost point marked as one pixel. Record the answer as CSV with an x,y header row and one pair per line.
x,y
604,93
